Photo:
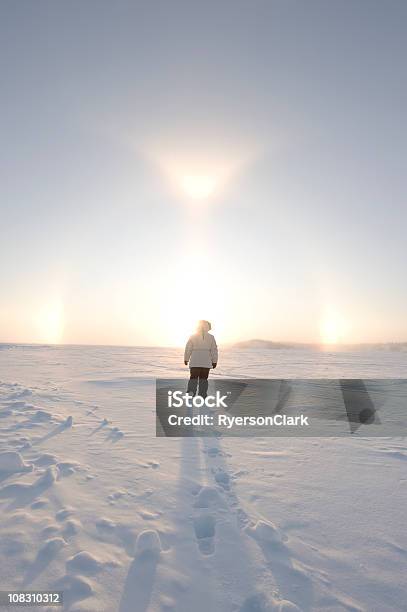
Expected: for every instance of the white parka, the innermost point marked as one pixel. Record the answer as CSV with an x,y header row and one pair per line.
x,y
201,350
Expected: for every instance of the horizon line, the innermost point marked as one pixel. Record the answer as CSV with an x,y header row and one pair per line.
x,y
225,345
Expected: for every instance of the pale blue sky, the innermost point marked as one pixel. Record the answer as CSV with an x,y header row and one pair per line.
x,y
296,111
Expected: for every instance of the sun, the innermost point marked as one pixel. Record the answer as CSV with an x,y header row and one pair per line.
x,y
199,186
332,329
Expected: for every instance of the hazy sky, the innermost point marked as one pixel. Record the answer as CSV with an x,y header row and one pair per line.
x,y
243,162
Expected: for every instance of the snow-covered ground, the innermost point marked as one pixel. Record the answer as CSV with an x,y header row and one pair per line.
x,y
96,505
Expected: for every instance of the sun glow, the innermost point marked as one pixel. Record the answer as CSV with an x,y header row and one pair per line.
x,y
198,175
184,322
50,323
199,186
186,309
194,289
333,328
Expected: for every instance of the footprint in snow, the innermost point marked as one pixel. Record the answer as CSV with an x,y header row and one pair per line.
x,y
86,563
204,527
40,503
113,497
103,424
260,602
213,452
72,528
64,513
209,497
223,479
114,435
75,588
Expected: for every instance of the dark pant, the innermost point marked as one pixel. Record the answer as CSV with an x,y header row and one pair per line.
x,y
201,375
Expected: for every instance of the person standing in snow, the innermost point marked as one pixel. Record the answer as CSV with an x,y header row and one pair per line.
x,y
201,352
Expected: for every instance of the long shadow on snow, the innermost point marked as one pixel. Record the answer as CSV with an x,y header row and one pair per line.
x,y
291,582
192,476
139,583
